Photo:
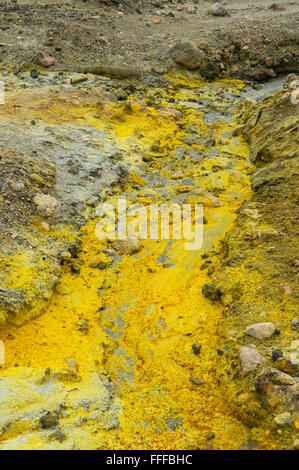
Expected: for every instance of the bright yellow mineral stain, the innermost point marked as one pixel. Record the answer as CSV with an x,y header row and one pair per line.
x,y
162,311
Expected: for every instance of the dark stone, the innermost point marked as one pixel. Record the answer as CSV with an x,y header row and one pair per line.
x,y
210,291
209,70
197,380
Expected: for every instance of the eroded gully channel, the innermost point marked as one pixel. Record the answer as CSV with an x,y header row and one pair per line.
x,y
113,354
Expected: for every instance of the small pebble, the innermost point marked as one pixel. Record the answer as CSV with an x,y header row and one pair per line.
x,y
34,73
196,347
276,354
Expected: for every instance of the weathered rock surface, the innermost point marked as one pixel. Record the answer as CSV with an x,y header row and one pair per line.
x,y
44,60
11,301
129,246
211,291
261,250
250,359
288,364
31,396
284,419
261,330
47,205
219,10
188,55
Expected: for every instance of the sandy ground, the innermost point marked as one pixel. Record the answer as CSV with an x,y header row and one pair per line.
x,y
141,33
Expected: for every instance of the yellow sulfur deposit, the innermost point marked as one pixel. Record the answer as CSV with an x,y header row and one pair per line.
x,y
134,322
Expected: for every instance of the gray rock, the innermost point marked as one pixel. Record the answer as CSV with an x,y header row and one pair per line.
x,y
288,364
250,359
174,423
261,330
34,73
274,173
276,354
219,10
295,324
18,187
129,246
197,380
47,205
78,78
11,300
71,362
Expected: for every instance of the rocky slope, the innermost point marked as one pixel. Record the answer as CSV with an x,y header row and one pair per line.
x,y
142,344
259,274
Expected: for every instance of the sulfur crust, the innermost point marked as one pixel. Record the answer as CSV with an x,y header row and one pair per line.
x,y
162,358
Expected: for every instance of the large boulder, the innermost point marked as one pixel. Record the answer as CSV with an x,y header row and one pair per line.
x,y
187,55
